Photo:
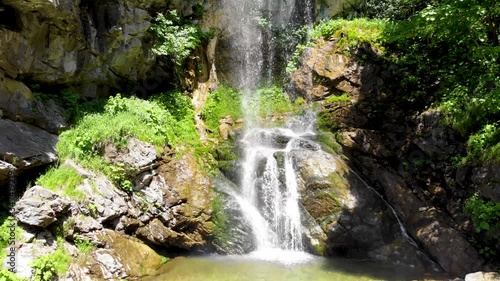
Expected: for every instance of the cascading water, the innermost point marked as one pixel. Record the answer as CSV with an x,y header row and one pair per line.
x,y
269,189
269,195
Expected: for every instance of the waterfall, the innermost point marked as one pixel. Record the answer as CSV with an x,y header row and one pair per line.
x,y
268,193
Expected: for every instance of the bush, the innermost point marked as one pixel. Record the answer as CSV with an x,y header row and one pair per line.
x,y
55,264
176,38
485,214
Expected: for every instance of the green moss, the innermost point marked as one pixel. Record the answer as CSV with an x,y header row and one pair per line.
x,y
63,178
220,220
320,249
342,98
329,142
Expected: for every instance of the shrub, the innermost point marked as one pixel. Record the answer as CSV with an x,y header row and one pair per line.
x,y
176,38
55,264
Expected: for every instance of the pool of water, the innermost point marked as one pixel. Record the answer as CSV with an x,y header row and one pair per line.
x,y
281,266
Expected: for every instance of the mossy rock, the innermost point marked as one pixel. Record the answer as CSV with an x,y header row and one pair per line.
x,y
138,259
329,142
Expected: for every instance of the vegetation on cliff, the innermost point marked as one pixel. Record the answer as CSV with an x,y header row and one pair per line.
x,y
443,54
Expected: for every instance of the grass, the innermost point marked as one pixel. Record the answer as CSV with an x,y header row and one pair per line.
x,y
227,101
63,178
164,119
220,103
84,245
352,32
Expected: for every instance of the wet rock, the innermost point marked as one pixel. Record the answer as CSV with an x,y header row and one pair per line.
x,y
237,238
40,207
26,146
483,276
429,228
356,221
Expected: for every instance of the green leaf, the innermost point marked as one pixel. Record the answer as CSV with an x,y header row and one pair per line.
x,y
485,225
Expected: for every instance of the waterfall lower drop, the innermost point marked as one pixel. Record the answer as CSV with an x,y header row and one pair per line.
x,y
269,190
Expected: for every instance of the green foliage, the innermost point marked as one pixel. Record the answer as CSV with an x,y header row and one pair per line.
x,y
389,9
293,62
165,119
270,100
55,264
6,275
69,101
84,245
63,178
222,102
352,33
181,109
176,38
220,220
485,214
342,98
122,118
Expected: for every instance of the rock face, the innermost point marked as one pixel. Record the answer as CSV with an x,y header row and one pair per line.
x,y
356,220
26,146
96,43
405,156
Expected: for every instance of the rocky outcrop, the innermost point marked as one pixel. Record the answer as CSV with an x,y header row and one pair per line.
x,y
92,44
357,221
26,146
40,207
404,155
171,210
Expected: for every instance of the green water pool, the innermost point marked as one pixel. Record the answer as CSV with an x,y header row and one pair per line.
x,y
251,268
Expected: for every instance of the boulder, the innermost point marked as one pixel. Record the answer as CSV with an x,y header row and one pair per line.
x,y
18,103
136,258
358,223
137,157
483,276
7,170
40,207
26,146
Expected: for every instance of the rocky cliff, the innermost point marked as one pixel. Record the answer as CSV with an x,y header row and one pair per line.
x,y
402,149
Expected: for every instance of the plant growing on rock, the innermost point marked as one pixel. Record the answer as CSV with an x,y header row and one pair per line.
x,y
175,37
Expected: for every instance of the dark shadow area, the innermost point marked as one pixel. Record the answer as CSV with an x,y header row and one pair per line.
x,y
9,18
